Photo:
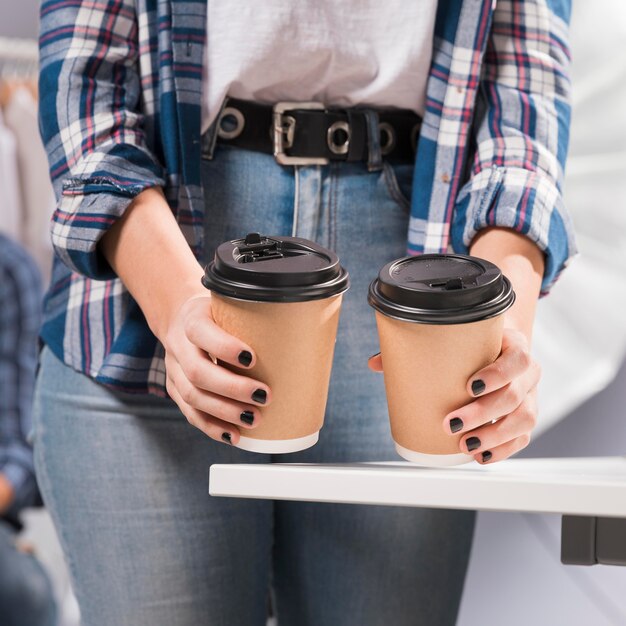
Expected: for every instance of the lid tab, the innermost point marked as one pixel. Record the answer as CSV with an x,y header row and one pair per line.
x,y
453,283
255,248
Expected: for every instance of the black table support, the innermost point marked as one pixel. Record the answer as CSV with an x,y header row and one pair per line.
x,y
593,540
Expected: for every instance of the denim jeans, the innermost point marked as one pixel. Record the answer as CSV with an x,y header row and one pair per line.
x,y
125,477
26,597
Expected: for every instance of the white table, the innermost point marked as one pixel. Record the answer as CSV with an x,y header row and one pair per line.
x,y
589,492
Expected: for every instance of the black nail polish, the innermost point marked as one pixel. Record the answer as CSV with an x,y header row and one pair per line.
x,y
245,358
486,456
260,396
247,417
472,443
456,423
227,437
478,386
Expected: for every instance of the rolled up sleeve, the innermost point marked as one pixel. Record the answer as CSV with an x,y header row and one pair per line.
x,y
521,134
91,124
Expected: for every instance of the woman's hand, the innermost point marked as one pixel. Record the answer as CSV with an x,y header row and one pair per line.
x,y
6,494
499,422
507,393
213,399
168,288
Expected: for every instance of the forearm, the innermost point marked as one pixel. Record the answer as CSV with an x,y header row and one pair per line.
x,y
149,253
522,262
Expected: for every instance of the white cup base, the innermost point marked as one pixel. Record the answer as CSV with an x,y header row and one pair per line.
x,y
277,446
433,460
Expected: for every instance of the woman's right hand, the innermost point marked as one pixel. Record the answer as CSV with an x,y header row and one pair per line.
x,y
213,399
167,286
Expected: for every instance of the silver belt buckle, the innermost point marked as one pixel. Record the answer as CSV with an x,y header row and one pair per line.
x,y
284,129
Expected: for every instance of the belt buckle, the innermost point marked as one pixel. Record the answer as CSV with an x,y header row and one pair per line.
x,y
284,128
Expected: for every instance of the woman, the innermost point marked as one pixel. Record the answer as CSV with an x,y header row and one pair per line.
x,y
153,169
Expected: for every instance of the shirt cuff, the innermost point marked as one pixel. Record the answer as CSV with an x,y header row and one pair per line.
x,y
526,201
92,198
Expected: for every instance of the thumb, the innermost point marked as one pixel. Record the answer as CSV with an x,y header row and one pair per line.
x,y
375,362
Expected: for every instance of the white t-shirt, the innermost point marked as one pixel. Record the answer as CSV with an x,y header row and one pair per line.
x,y
338,53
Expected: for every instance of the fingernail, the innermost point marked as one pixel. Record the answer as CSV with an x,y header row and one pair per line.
x,y
478,386
486,456
247,417
245,358
456,423
373,355
472,443
260,396
227,437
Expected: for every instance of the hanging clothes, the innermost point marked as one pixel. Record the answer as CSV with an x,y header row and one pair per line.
x,y
38,200
10,197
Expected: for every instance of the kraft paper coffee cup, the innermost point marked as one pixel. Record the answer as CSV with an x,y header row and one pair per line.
x,y
439,319
282,296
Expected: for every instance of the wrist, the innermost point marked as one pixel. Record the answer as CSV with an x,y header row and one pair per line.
x,y
522,262
160,318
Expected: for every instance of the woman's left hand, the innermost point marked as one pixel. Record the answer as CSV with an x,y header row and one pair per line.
x,y
498,423
506,392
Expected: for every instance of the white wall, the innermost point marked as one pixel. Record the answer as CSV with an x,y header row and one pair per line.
x,y
515,576
18,18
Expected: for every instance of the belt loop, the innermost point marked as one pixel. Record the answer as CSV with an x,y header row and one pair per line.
x,y
209,137
375,157
357,138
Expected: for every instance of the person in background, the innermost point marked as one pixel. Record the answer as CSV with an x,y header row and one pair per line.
x,y
26,597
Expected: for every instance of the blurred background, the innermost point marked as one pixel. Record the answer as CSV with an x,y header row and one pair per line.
x,y
580,336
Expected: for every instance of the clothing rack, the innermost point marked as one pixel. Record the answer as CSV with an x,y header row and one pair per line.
x,y
19,58
19,64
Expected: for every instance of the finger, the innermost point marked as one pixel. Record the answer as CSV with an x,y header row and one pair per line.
x,y
204,333
243,415
203,374
212,427
518,423
492,405
375,362
513,361
504,451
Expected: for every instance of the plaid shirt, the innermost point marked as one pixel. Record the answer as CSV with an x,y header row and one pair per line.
x,y
20,317
120,111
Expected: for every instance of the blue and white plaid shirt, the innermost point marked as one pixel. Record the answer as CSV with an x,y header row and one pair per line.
x,y
20,318
120,111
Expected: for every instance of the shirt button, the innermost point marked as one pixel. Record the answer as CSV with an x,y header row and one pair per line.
x,y
459,89
445,178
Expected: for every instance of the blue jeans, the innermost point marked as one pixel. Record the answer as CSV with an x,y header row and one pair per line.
x,y
125,477
26,597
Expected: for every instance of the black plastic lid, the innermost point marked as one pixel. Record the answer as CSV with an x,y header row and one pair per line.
x,y
275,269
441,289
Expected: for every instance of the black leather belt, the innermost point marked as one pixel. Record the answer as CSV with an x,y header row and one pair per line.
x,y
306,133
